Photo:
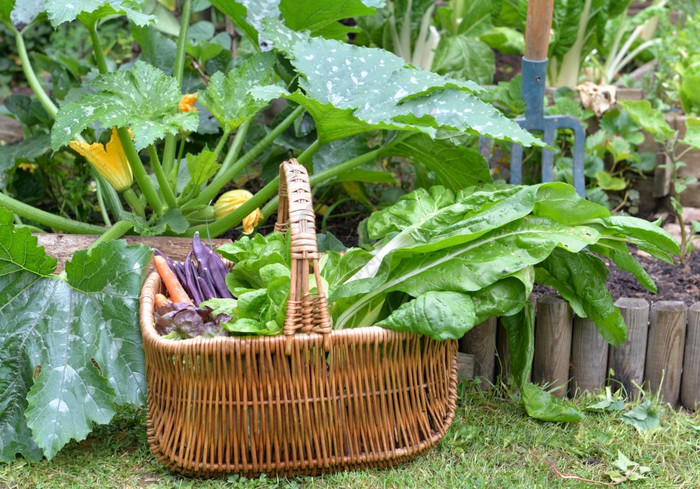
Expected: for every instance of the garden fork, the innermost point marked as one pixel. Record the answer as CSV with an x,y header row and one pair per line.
x,y
534,75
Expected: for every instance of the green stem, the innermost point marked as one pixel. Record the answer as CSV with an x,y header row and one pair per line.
x,y
221,143
223,178
114,232
140,172
235,149
100,59
108,191
134,202
101,202
32,79
305,157
162,180
178,72
48,219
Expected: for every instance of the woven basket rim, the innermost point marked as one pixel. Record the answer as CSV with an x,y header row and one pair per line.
x,y
362,334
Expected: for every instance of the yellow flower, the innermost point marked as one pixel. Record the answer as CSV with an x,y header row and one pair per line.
x,y
187,101
109,160
232,200
30,167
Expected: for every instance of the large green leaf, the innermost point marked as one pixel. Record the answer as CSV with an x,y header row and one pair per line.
x,y
143,99
454,167
465,58
382,92
650,119
90,11
23,13
439,315
580,279
692,132
70,345
520,330
321,18
228,96
540,404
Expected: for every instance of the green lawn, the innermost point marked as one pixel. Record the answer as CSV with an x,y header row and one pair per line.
x,y
491,444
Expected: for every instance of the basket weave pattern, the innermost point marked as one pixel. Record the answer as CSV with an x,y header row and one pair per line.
x,y
293,404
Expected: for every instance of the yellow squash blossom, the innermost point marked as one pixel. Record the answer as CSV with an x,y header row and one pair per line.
x,y
187,101
232,200
109,160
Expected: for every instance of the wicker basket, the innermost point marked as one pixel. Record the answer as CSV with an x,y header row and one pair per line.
x,y
298,403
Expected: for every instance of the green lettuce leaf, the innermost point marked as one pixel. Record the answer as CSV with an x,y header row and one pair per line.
x,y
70,345
144,99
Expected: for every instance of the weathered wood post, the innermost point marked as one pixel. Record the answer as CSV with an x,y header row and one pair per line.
x,y
627,360
552,343
665,350
480,341
589,357
690,385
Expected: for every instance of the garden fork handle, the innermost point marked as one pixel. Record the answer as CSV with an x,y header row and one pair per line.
x,y
537,28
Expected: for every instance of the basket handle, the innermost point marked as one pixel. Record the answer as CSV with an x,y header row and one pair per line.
x,y
306,312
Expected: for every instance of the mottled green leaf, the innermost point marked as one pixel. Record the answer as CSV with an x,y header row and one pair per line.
x,y
70,346
377,88
90,11
143,99
24,12
228,96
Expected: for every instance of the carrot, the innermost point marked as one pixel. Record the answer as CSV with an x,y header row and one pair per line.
x,y
161,300
175,289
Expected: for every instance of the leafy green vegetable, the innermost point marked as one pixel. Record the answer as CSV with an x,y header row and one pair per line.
x,y
90,11
142,99
70,345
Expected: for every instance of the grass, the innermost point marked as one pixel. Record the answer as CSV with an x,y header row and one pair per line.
x,y
491,444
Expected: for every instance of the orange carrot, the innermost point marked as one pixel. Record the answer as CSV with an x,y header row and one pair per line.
x,y
161,300
177,293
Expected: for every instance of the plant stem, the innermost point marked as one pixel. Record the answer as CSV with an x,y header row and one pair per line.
x,y
139,171
162,180
222,178
178,71
100,59
235,149
222,142
305,157
48,219
32,79
108,191
114,232
101,202
134,202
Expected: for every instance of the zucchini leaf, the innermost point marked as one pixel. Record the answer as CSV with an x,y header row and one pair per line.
x,y
143,99
70,345
90,11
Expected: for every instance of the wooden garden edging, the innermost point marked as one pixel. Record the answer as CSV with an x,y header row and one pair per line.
x,y
661,355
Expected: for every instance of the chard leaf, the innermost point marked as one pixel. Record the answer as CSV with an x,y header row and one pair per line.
x,y
468,267
520,329
540,404
452,52
646,235
692,133
382,92
560,202
228,96
439,315
620,254
580,279
454,167
143,99
70,346
505,297
322,18
90,11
